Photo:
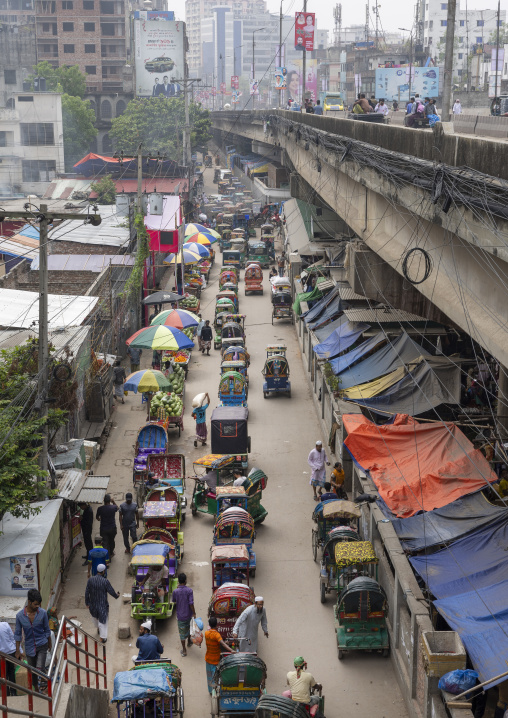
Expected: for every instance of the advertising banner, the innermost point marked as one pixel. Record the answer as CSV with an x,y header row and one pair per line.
x,y
493,84
500,60
254,87
235,96
235,82
23,572
294,80
159,57
392,83
305,24
280,78
222,88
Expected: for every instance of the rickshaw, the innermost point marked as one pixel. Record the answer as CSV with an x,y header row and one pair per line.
x,y
234,526
222,309
360,617
329,514
216,175
230,287
232,257
235,342
161,514
227,603
274,706
239,245
150,688
353,559
273,349
169,470
232,330
146,602
229,433
224,187
238,684
230,564
238,365
282,306
227,276
238,233
230,496
219,472
227,294
152,439
253,278
280,284
229,218
276,374
328,573
232,273
208,160
236,353
232,389
266,228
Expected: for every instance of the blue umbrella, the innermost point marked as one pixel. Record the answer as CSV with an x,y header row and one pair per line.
x,y
197,248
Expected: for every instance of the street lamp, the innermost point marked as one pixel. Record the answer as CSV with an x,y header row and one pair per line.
x,y
253,61
410,56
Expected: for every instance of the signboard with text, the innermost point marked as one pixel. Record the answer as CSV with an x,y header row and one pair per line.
x,y
280,78
392,83
159,57
305,24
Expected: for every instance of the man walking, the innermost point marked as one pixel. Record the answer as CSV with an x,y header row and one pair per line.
x,y
129,520
150,648
106,515
281,263
214,643
119,378
97,556
135,357
457,107
317,460
198,331
96,600
86,528
199,414
318,110
32,622
8,646
183,598
206,338
247,625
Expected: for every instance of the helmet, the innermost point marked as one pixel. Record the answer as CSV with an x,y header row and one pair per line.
x,y
300,661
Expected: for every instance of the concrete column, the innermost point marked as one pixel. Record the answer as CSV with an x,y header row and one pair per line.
x,y
396,607
323,396
502,402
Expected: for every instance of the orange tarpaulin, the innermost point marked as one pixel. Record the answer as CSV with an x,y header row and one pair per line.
x,y
416,466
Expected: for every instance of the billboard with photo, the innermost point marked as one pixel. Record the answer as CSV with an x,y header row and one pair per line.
x,y
294,81
254,87
159,57
280,78
305,24
392,83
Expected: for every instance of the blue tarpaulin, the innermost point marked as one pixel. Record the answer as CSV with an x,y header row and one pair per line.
x,y
134,685
480,617
324,332
340,340
320,306
479,560
448,523
332,310
393,355
341,363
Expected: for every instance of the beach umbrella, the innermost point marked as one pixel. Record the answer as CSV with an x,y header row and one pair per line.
x,y
163,297
195,228
161,338
200,249
147,380
177,318
183,257
202,238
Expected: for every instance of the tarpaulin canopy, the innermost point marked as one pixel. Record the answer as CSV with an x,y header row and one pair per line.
x,y
396,353
416,466
331,310
306,297
447,523
432,382
375,387
339,340
341,363
93,164
320,306
480,617
324,332
478,560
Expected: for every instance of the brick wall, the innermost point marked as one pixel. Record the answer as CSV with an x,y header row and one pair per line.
x,y
63,247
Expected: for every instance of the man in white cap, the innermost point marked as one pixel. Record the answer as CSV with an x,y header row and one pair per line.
x,y
96,600
317,460
247,625
150,648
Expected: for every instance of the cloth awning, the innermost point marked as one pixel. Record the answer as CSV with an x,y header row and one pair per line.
x,y
340,340
323,333
416,466
318,308
343,362
448,523
332,309
375,387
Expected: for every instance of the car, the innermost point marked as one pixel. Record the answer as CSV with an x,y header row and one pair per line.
x,y
333,102
160,64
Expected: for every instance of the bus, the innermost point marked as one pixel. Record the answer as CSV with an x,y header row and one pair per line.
x,y
333,102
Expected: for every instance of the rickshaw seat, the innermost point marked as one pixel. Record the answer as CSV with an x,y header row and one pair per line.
x,y
172,566
141,573
210,495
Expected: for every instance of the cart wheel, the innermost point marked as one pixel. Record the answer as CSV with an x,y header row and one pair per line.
x,y
385,652
340,654
323,593
272,319
289,393
193,508
314,544
248,444
153,629
252,572
292,318
183,517
179,429
265,394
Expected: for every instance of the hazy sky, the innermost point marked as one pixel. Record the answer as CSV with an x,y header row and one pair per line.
x,y
393,13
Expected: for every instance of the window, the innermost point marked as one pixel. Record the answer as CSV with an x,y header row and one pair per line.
x,y
38,170
431,24
89,27
3,139
459,72
90,49
69,49
67,5
10,77
25,98
460,55
430,41
443,23
107,7
426,23
90,69
107,144
35,134
68,26
461,39
462,23
444,6
45,26
120,108
88,4
106,112
479,23
108,29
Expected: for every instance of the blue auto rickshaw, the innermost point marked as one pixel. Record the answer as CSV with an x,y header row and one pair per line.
x,y
238,684
276,374
233,389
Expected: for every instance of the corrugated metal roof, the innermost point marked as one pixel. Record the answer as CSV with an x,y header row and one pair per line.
x,y
383,316
347,293
13,248
20,309
59,188
94,489
76,485
28,535
70,483
84,262
73,338
113,230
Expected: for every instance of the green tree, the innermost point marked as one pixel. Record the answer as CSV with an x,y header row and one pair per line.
x,y
106,190
69,80
157,123
78,128
503,36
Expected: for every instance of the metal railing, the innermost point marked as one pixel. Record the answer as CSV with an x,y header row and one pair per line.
x,y
69,660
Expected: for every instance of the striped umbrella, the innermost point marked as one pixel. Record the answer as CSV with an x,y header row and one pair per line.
x,y
178,318
194,228
200,238
200,249
184,257
147,380
160,338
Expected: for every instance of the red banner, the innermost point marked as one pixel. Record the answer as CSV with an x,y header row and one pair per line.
x,y
223,87
305,25
235,82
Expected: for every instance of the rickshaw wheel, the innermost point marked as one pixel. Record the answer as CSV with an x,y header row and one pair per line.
x,y
340,654
194,509
215,707
385,652
289,393
133,595
314,544
153,629
323,593
265,394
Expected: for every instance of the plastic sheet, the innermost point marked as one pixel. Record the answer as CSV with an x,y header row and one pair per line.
x,y
134,685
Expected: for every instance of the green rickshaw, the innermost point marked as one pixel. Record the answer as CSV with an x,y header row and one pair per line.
x,y
258,252
360,618
149,560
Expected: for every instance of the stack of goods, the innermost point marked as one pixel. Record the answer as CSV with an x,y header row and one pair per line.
x,y
165,405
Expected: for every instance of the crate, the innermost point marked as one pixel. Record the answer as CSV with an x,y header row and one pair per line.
x,y
443,651
92,451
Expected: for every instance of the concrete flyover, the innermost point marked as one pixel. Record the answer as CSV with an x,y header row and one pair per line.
x,y
400,189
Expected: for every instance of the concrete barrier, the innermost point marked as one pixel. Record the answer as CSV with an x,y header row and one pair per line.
x,y
80,701
466,124
492,127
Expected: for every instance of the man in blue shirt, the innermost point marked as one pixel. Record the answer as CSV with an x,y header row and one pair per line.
x,y
96,556
150,648
32,623
199,413
318,110
328,493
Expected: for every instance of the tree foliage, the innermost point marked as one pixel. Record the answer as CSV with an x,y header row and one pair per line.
x,y
158,123
69,80
503,36
78,129
106,190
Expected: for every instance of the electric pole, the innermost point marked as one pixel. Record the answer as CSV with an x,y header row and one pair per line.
x,y
304,63
497,46
280,52
448,63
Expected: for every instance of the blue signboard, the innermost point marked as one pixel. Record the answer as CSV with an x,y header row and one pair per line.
x,y
392,83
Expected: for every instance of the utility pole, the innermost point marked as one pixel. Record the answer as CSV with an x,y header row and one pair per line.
x,y
45,218
367,22
140,179
497,45
448,63
280,51
376,10
304,64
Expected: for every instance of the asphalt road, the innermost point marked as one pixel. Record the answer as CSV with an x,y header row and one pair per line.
x,y
283,431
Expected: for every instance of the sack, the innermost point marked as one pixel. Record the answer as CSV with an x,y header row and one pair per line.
x,y
457,681
196,635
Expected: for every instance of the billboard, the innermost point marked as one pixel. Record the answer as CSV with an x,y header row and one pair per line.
x,y
235,82
154,14
254,87
305,24
280,78
294,81
392,83
159,57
